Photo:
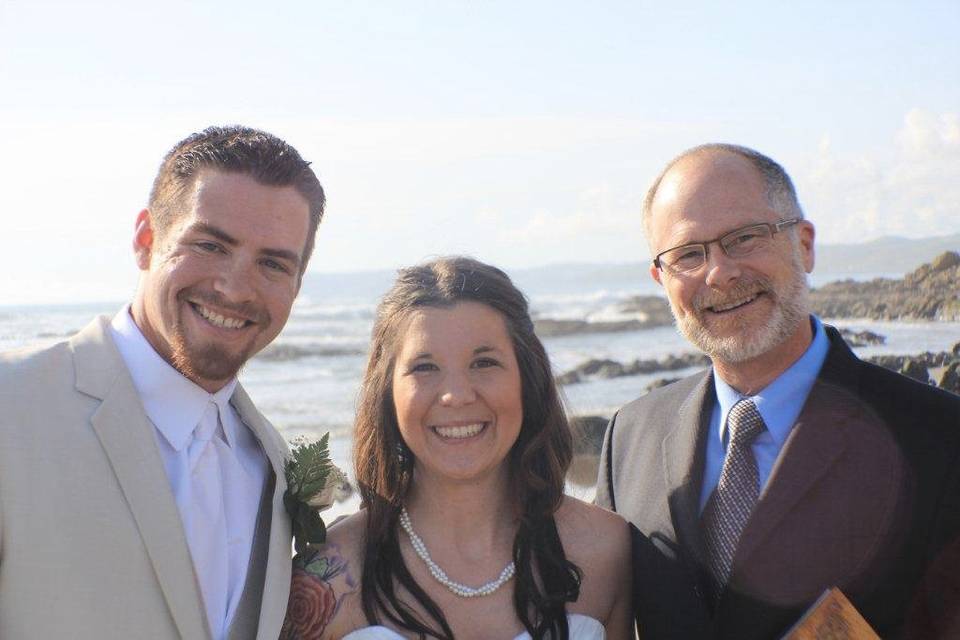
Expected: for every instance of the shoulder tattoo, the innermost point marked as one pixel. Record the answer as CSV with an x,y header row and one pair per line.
x,y
321,578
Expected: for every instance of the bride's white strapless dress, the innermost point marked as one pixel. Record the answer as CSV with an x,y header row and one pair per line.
x,y
581,628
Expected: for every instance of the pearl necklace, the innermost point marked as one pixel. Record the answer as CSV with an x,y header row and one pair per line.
x,y
461,590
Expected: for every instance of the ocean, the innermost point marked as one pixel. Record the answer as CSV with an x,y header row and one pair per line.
x,y
306,382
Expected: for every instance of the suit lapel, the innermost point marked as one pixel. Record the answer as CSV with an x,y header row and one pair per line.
x,y
277,582
683,451
127,437
815,444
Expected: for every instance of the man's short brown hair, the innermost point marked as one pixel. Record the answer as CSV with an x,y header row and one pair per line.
x,y
233,149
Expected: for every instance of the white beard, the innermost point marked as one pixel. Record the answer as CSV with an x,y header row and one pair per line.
x,y
790,300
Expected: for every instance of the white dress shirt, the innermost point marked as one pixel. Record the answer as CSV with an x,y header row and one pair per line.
x,y
176,405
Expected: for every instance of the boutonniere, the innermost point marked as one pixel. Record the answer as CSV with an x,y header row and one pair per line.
x,y
313,484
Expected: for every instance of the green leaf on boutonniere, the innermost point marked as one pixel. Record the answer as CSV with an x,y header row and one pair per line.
x,y
312,482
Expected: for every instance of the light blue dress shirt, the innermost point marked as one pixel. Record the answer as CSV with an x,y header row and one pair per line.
x,y
779,403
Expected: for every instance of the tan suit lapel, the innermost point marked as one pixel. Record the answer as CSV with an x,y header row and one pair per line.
x,y
683,460
127,437
276,586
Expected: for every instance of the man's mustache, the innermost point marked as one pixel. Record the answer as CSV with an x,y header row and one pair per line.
x,y
248,311
741,290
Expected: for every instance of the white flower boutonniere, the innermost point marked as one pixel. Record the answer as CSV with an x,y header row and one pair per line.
x,y
313,484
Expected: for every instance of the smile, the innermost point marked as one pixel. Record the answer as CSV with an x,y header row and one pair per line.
x,y
459,432
218,320
734,304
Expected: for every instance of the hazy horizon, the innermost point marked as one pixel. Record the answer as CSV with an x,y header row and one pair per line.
x,y
883,257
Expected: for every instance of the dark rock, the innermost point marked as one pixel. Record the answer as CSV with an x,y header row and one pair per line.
x,y
649,312
612,369
916,369
659,382
601,368
685,361
950,378
956,350
861,338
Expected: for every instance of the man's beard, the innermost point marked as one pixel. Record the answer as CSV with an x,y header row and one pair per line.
x,y
211,361
790,309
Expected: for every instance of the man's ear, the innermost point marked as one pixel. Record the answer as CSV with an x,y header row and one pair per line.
x,y
807,233
655,274
143,238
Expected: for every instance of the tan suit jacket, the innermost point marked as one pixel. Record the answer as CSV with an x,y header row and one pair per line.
x,y
91,542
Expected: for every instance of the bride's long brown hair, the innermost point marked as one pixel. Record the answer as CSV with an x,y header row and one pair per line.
x,y
545,580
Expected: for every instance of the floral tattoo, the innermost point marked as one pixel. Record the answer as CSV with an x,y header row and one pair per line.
x,y
313,600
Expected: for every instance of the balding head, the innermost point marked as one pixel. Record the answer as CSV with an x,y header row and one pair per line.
x,y
778,186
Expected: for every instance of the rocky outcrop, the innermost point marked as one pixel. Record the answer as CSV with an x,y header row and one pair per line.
x,y
941,369
647,311
653,310
861,338
659,382
613,369
931,292
949,377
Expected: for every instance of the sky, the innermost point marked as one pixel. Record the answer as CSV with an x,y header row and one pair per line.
x,y
522,133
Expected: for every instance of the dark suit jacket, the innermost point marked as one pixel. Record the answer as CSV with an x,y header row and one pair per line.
x,y
864,496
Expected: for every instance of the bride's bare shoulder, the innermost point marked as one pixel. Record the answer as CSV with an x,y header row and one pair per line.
x,y
598,542
592,533
576,515
348,530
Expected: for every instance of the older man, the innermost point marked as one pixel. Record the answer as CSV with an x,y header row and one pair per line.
x,y
790,466
141,493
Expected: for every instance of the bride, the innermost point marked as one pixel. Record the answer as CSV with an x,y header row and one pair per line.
x,y
461,448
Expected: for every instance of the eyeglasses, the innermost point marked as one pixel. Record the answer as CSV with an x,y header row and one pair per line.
x,y
738,243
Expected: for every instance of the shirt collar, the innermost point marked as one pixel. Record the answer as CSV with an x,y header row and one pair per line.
x,y
781,401
174,403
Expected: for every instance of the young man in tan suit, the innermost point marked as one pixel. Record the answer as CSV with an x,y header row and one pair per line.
x,y
141,493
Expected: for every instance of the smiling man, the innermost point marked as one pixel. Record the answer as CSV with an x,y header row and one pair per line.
x,y
790,466
141,491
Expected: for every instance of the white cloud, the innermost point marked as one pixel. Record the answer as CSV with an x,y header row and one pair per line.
x,y
601,210
907,186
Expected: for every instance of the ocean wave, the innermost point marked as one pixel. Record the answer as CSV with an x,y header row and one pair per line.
x,y
56,334
359,311
286,352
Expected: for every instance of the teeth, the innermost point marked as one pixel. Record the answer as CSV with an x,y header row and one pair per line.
x,y
732,305
459,432
218,320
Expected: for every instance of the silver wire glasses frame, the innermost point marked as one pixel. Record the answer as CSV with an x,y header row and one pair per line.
x,y
735,244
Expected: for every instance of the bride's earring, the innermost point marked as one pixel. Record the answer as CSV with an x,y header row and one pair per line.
x,y
403,455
